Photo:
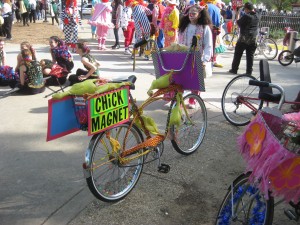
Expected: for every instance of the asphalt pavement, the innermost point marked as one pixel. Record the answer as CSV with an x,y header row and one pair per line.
x,y
42,182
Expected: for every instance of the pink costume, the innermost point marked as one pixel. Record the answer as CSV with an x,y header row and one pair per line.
x,y
102,20
169,24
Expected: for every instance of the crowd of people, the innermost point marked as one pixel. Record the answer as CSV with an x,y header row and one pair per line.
x,y
31,75
168,22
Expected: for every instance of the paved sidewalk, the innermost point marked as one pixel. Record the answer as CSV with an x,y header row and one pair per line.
x,y
42,182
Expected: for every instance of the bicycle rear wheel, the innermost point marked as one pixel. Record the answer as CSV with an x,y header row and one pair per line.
x,y
189,136
248,204
230,40
269,48
286,57
111,178
235,100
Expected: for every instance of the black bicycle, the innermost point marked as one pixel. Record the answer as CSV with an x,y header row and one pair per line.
x,y
286,57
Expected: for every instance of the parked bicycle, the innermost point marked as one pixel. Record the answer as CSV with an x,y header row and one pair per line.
x,y
230,39
241,101
115,157
286,57
265,46
272,159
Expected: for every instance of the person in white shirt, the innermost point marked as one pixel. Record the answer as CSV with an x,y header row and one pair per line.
x,y
8,19
197,22
127,25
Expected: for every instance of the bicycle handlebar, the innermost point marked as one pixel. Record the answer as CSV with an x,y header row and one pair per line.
x,y
267,84
145,40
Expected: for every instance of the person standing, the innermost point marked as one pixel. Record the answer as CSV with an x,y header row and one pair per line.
x,y
169,22
215,15
116,20
17,12
32,15
196,22
71,21
248,25
127,25
54,12
102,19
8,19
157,12
23,12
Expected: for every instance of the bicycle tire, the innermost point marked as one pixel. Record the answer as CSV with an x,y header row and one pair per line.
x,y
234,111
259,212
286,57
188,137
230,39
269,48
110,180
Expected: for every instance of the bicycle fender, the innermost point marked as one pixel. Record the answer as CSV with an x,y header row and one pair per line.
x,y
86,166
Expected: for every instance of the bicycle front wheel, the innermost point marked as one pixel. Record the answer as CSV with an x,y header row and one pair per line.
x,y
286,57
245,204
112,177
189,136
269,48
240,100
230,40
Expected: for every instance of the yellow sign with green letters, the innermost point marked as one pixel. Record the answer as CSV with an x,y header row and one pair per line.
x,y
108,110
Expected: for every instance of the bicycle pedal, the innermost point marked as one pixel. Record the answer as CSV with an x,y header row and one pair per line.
x,y
291,215
164,168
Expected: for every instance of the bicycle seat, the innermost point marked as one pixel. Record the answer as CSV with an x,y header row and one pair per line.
x,y
130,79
263,32
266,93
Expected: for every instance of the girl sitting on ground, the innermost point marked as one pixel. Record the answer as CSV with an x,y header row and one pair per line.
x,y
24,45
60,53
31,76
89,62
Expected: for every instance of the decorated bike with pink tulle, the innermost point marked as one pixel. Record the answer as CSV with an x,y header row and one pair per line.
x,y
270,146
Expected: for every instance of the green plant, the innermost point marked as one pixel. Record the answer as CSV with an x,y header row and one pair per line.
x,y
276,34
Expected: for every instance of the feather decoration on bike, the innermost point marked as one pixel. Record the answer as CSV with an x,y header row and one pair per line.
x,y
162,82
149,123
176,113
89,88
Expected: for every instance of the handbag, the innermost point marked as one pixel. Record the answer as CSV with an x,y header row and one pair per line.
x,y
187,66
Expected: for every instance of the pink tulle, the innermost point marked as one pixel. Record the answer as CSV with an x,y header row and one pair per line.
x,y
272,154
294,117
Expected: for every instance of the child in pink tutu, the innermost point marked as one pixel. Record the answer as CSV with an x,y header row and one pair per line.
x,y
102,20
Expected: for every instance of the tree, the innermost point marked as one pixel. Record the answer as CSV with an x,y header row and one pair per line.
x,y
278,4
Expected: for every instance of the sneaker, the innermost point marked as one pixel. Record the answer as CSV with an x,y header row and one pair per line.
x,y
232,71
218,65
146,57
127,52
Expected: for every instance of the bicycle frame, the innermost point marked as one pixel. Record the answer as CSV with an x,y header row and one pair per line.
x,y
245,101
136,111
